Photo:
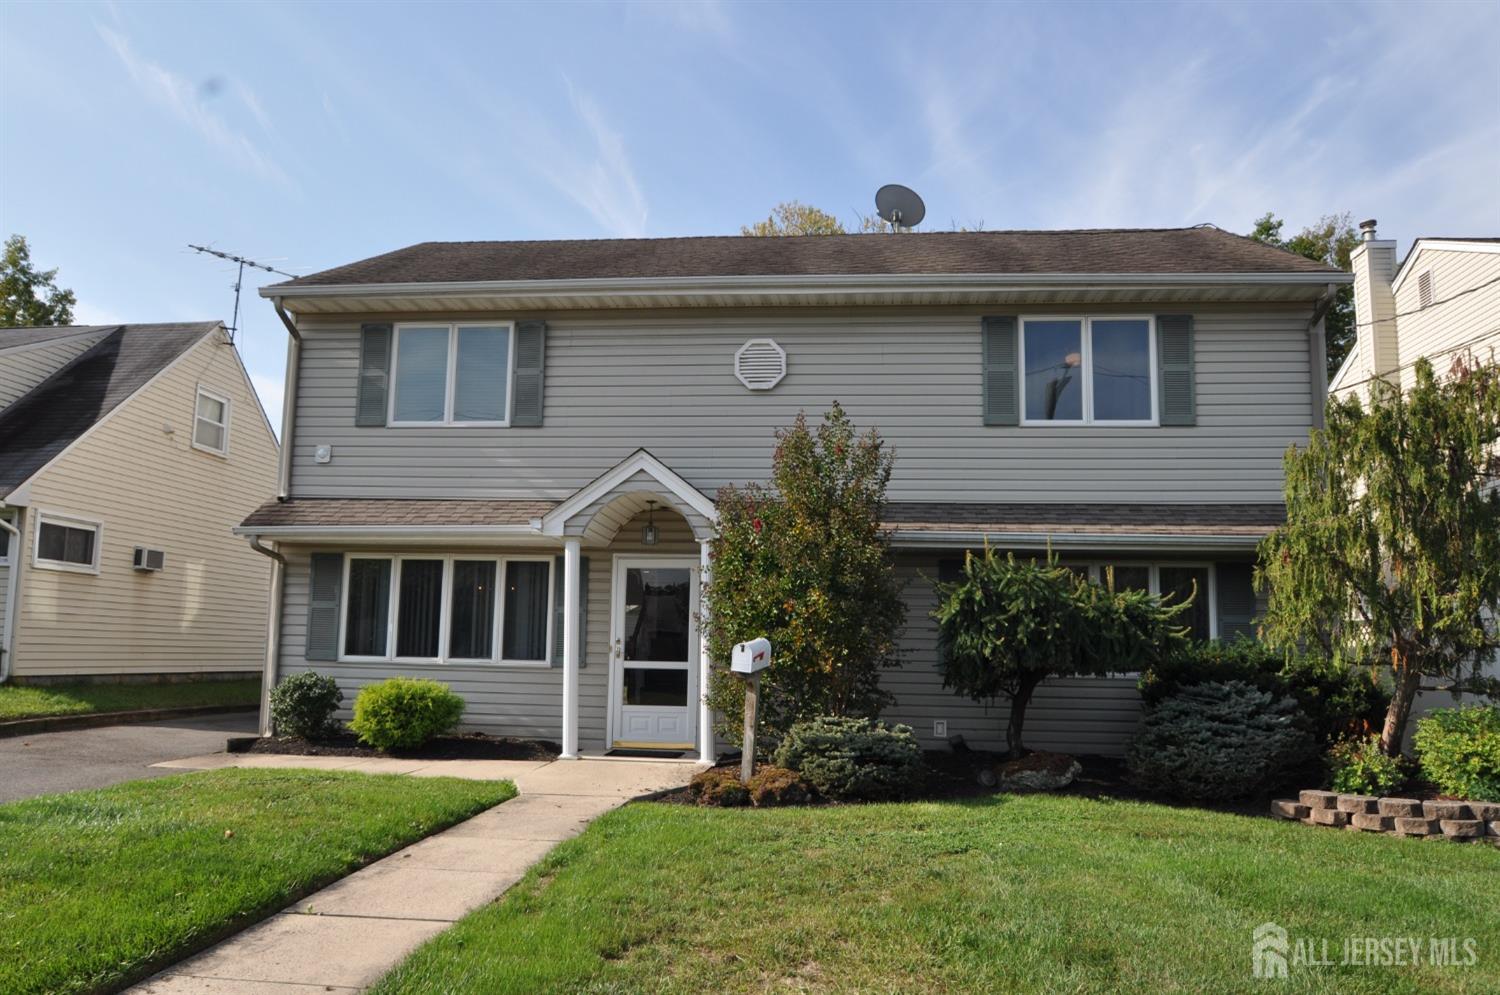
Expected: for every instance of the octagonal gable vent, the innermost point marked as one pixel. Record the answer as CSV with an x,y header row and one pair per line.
x,y
760,364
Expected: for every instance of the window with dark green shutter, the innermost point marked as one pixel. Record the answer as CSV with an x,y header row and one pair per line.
x,y
1174,357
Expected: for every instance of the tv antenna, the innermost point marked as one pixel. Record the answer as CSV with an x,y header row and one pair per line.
x,y
899,206
239,277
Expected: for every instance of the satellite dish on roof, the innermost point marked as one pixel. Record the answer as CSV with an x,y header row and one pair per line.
x,y
900,205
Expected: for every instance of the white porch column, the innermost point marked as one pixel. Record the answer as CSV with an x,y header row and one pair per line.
x,y
705,714
571,579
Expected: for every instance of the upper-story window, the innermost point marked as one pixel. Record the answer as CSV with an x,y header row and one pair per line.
x,y
1085,371
453,374
211,422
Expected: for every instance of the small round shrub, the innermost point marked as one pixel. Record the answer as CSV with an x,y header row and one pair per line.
x,y
303,705
846,759
402,713
1358,767
774,786
1217,741
719,786
1459,751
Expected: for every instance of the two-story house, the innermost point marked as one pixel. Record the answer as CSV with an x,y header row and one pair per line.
x,y
127,453
502,456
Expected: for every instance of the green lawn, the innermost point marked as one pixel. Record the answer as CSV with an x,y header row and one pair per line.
x,y
28,701
98,888
1019,894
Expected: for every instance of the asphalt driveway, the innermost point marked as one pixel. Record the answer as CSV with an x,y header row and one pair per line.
x,y
50,762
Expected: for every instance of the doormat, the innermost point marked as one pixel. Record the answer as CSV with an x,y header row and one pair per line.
x,y
648,754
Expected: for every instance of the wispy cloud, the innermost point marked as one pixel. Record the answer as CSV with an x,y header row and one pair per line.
x,y
603,182
185,100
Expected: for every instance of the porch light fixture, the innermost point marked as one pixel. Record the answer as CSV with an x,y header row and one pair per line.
x,y
648,531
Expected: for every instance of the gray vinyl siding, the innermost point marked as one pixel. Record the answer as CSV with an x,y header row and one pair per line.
x,y
505,701
666,383
21,369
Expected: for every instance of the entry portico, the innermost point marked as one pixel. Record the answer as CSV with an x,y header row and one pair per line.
x,y
658,650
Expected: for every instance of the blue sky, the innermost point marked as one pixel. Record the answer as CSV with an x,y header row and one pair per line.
x,y
313,135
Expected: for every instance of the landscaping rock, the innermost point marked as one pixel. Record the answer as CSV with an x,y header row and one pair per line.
x,y
1446,810
1318,799
1356,803
1417,827
1330,817
1038,772
1493,828
1462,829
1485,811
1400,808
1372,823
1287,809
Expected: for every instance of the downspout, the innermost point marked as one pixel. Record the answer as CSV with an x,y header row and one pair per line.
x,y
1317,351
289,401
273,633
12,572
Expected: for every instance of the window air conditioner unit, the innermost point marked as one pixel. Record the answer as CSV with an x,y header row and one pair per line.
x,y
149,559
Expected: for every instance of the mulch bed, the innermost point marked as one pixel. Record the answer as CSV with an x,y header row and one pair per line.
x,y
466,746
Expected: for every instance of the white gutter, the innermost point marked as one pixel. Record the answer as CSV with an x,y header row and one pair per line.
x,y
13,571
273,631
932,539
784,285
288,400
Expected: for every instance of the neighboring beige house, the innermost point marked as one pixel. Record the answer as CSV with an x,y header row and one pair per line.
x,y
126,454
1442,302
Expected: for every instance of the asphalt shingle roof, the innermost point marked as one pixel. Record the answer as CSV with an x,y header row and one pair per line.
x,y
998,518
67,404
1201,250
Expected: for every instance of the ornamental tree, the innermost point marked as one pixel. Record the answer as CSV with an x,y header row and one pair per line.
x,y
804,562
1391,547
1005,625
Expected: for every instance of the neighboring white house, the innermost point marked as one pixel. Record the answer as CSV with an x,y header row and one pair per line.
x,y
1442,302
126,454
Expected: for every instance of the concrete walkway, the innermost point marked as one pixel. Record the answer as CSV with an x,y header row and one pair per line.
x,y
345,937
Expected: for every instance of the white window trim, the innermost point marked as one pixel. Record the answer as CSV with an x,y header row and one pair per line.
x,y
445,614
72,522
1096,568
452,375
10,540
1086,344
193,437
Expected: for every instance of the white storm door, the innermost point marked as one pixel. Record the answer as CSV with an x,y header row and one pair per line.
x,y
654,652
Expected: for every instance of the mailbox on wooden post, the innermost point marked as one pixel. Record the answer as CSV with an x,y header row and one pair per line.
x,y
748,660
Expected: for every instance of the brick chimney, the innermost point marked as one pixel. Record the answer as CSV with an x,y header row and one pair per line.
x,y
1374,263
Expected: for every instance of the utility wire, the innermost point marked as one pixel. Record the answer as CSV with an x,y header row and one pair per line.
x,y
1428,356
1425,307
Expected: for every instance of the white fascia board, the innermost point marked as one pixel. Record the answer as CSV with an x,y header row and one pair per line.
x,y
1439,244
461,534
782,285
553,522
927,539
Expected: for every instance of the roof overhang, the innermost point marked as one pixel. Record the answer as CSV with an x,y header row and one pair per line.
x,y
462,535
608,485
806,291
1135,542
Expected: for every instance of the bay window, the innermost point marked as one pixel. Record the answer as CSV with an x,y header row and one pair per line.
x,y
1088,371
448,609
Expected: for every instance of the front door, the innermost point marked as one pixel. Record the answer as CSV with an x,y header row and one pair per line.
x,y
654,652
